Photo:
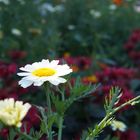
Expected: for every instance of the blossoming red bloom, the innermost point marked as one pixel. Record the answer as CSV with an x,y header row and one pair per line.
x,y
128,135
126,96
12,68
33,116
115,74
17,54
134,55
7,69
135,37
26,126
80,62
4,133
129,46
3,70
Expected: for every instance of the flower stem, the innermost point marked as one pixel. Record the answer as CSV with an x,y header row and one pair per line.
x,y
49,113
61,117
60,128
128,103
25,135
95,132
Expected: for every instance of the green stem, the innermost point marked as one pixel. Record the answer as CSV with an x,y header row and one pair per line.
x,y
49,103
60,128
25,135
95,132
61,118
49,113
127,103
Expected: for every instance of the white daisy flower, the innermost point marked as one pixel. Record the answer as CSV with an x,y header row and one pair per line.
x,y
118,125
40,72
12,112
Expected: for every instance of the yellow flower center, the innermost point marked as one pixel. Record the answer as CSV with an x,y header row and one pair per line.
x,y
44,72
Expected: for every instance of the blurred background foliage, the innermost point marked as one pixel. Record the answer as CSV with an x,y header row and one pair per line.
x,y
98,37
51,28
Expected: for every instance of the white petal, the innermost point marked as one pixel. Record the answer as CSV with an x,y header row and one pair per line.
x,y
57,81
36,65
54,63
27,68
25,83
62,80
63,70
38,83
23,74
45,61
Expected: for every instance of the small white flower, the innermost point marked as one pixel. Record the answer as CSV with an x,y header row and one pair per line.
x,y
50,8
22,2
16,32
59,8
71,27
12,112
112,7
6,2
118,125
95,13
137,9
40,72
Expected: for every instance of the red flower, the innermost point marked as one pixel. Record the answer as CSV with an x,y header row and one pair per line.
x,y
135,37
33,116
12,68
17,54
126,96
3,93
3,70
4,133
134,55
26,126
128,135
129,46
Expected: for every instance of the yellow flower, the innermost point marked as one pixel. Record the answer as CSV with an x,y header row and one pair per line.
x,y
12,112
40,72
118,125
35,31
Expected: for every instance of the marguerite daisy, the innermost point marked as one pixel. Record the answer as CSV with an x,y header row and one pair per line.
x,y
40,72
12,112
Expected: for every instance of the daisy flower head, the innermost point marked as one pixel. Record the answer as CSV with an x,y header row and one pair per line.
x,y
40,72
12,112
118,125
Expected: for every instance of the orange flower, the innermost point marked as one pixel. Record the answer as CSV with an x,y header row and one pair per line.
x,y
102,65
66,55
91,79
117,2
74,68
